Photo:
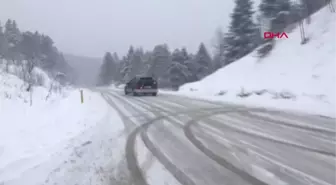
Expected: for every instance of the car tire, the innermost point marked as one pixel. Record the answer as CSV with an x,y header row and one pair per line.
x,y
154,94
134,94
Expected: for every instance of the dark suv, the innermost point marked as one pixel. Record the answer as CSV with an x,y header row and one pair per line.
x,y
142,86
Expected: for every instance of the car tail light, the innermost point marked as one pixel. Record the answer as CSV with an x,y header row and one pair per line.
x,y
139,87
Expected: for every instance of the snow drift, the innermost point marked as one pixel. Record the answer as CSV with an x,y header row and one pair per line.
x,y
294,76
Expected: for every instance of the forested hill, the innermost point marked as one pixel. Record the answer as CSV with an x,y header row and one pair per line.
x,y
31,49
174,67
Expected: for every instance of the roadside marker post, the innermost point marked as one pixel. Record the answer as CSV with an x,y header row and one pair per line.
x,y
82,96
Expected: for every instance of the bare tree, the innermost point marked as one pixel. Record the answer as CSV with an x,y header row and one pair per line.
x,y
58,77
31,63
304,14
330,5
302,33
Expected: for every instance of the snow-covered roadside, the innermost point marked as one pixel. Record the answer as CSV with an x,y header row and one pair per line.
x,y
304,105
293,76
59,140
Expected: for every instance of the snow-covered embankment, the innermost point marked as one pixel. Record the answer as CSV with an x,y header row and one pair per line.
x,y
57,139
293,76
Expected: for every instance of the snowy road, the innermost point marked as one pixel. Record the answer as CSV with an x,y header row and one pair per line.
x,y
199,142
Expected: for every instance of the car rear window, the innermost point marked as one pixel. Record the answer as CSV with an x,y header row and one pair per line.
x,y
146,78
146,81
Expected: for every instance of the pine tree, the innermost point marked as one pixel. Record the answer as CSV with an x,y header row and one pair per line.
x,y
48,51
46,44
271,8
192,68
107,70
30,45
180,56
311,6
219,46
13,37
123,69
178,74
117,76
185,55
276,12
240,39
30,49
159,63
136,63
116,57
126,65
3,43
178,71
203,62
12,33
146,60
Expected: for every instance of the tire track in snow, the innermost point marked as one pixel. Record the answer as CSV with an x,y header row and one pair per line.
x,y
214,156
243,174
188,112
298,126
291,169
172,168
226,164
281,166
137,176
128,124
270,138
135,107
165,161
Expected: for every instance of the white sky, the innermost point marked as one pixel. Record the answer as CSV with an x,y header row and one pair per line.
x,y
92,27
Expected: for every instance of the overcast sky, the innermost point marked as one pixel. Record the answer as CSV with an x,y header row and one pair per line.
x,y
92,27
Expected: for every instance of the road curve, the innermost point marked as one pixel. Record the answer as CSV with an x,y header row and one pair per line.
x,y
202,142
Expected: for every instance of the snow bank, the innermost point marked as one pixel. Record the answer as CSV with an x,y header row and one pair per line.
x,y
57,137
294,76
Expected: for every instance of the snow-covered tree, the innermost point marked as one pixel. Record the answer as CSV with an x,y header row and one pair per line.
x,y
126,65
116,57
12,33
219,50
30,45
136,63
192,67
3,43
311,6
29,49
277,13
178,74
13,37
123,69
180,56
271,8
203,63
240,39
48,51
146,60
159,63
107,70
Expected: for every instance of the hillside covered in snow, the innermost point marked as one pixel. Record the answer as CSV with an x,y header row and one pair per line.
x,y
292,76
38,138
